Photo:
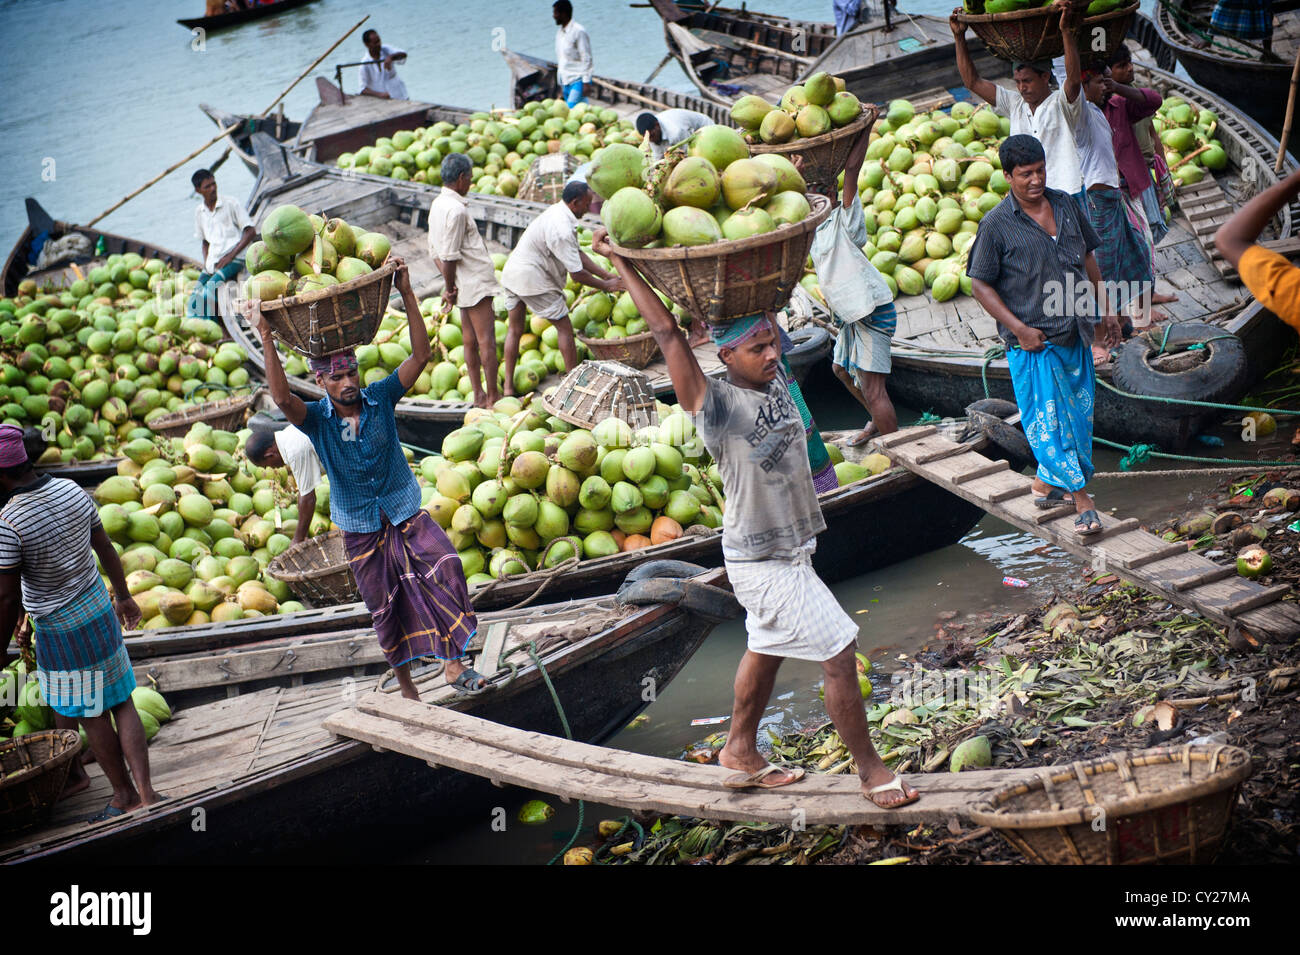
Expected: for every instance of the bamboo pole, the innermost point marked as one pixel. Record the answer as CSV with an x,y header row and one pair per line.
x,y
225,132
1290,115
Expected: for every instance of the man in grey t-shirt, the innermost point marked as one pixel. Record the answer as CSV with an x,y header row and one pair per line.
x,y
754,431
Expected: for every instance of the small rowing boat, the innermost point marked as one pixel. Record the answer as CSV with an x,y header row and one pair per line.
x,y
234,18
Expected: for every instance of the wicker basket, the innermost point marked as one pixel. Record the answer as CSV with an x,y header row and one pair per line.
x,y
1168,805
727,280
227,414
634,350
597,390
332,319
545,179
1036,34
824,156
317,571
41,762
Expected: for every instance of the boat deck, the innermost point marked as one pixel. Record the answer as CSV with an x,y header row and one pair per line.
x,y
332,128
1285,40
1213,591
210,747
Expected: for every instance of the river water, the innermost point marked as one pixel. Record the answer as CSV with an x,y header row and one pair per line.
x,y
97,103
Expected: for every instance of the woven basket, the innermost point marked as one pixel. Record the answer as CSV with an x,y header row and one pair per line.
x,y
727,280
227,414
824,156
317,570
1168,805
41,762
1036,34
332,319
597,390
634,350
546,177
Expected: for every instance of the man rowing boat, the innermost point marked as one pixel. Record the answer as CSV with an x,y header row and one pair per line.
x,y
753,428
406,570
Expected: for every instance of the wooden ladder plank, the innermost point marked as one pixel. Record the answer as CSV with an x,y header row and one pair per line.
x,y
1260,598
489,661
1207,575
984,470
906,435
1151,556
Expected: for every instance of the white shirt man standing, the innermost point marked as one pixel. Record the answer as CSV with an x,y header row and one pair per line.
x,y
380,79
572,54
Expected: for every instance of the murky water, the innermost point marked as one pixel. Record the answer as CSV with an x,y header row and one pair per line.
x,y
109,100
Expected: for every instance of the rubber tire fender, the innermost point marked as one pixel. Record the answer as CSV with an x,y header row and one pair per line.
x,y
664,568
989,416
1223,377
711,603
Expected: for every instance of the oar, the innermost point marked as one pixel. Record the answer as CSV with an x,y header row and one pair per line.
x,y
301,77
225,132
1290,115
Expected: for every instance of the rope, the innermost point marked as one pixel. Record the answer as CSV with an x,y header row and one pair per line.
x,y
1140,453
1179,472
1188,401
531,647
991,354
628,823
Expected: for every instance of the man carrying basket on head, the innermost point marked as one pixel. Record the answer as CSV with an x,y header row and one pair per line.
x,y
752,426
406,570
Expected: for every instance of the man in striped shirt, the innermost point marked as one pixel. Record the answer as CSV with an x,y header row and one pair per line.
x,y
50,534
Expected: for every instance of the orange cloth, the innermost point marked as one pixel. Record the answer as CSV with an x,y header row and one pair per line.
x,y
1274,281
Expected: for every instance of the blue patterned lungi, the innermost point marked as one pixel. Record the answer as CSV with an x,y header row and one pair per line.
x,y
81,661
1054,391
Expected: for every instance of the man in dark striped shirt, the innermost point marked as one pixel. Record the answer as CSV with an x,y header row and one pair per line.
x,y
1032,268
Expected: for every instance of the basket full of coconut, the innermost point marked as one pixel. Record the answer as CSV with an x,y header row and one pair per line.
x,y
817,121
323,285
1019,30
721,233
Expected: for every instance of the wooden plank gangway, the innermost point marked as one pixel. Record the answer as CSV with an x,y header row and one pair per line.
x,y
1214,591
572,770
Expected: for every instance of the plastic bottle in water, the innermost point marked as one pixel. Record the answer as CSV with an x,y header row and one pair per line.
x,y
100,247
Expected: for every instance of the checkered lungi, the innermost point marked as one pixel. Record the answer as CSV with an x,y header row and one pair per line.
x,y
413,584
81,661
1123,257
789,611
1248,19
862,347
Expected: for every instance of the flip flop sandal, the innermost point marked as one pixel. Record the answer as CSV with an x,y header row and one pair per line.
x,y
894,785
469,676
861,439
1054,497
1083,525
758,780
108,812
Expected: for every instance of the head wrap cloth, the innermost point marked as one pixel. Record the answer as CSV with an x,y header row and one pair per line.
x,y
735,333
339,363
12,450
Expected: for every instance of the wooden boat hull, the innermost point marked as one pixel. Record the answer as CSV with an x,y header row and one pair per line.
x,y
345,788
224,20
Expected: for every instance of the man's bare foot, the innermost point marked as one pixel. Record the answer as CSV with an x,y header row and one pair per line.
x,y
1100,355
863,436
1159,298
481,401
891,792
492,398
75,784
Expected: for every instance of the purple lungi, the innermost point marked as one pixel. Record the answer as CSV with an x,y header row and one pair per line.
x,y
412,582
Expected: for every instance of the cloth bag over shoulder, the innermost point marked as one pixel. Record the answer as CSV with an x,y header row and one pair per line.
x,y
851,285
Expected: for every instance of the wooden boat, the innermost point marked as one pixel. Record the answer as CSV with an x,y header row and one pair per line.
x,y
1238,70
62,274
533,78
277,126
236,17
939,348
261,763
729,53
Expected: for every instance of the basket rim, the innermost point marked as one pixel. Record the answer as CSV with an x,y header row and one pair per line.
x,y
388,267
1236,767
866,116
820,208
638,338
70,736
208,408
1034,12
276,568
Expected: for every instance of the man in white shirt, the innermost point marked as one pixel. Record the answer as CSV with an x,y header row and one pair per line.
x,y
468,273
572,55
290,448
225,230
670,127
380,78
538,269
1050,116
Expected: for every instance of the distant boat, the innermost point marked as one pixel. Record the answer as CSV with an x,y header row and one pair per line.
x,y
236,17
